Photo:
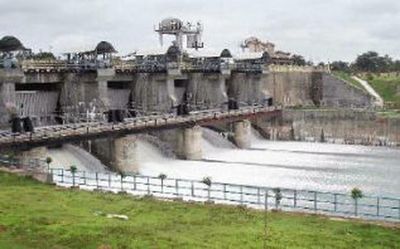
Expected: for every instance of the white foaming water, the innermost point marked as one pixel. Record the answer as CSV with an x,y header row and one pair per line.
x,y
299,165
312,166
70,155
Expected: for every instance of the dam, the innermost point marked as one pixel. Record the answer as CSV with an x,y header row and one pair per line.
x,y
190,114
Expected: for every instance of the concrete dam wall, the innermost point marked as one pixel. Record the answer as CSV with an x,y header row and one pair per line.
x,y
104,89
343,126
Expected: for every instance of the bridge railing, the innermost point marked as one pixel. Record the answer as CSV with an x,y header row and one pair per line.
x,y
327,203
145,122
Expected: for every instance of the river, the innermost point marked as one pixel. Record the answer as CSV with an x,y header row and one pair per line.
x,y
297,165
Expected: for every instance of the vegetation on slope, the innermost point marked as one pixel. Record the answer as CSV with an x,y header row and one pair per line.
x,y
34,215
388,87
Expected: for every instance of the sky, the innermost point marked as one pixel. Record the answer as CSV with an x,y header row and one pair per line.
x,y
319,30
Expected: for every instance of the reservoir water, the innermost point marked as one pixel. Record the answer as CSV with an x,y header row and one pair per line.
x,y
297,165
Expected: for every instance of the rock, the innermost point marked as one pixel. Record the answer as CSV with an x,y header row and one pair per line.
x,y
117,216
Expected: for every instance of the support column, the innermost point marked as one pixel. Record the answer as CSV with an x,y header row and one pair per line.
x,y
242,134
8,79
124,154
189,143
33,157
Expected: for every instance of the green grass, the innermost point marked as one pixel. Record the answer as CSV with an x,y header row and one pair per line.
x,y
34,215
388,87
347,77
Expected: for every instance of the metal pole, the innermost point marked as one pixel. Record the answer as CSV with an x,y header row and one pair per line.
x,y
109,180
84,177
295,199
176,187
265,219
241,194
335,203
315,201
148,185
224,191
192,185
258,196
62,175
377,206
97,180
134,182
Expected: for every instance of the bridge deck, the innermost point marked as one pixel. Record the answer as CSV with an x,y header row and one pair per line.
x,y
74,132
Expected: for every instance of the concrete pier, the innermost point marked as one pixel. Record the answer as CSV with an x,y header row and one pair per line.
x,y
8,79
242,134
124,154
189,143
33,156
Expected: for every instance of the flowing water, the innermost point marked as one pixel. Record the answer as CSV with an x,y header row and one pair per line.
x,y
298,165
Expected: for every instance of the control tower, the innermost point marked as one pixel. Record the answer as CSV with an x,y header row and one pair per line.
x,y
175,27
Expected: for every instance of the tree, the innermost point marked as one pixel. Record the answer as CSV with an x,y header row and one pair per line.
x,y
162,178
48,161
340,66
356,194
44,56
73,170
372,62
298,60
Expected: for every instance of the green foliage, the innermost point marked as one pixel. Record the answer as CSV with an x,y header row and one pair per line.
x,y
44,56
162,176
356,193
372,62
298,60
35,215
207,181
340,66
387,86
73,169
49,160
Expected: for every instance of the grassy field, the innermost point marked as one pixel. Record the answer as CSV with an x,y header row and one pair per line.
x,y
388,86
34,215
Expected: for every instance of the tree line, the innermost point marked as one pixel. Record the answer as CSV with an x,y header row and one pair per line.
x,y
368,62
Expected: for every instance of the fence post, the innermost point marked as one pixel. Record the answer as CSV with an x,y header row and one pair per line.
x,y
377,206
266,200
258,196
148,185
122,182
295,198
134,182
192,190
97,180
335,203
62,175
241,194
399,209
109,180
315,201
176,187
84,177
224,191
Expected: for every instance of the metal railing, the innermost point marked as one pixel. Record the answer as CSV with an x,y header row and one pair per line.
x,y
332,204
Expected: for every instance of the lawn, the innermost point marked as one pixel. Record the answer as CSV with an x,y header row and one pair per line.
x,y
34,215
388,86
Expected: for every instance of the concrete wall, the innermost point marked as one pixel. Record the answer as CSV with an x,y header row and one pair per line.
x,y
339,93
8,79
335,126
208,90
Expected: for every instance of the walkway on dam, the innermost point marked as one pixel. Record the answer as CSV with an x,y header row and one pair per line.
x,y
74,132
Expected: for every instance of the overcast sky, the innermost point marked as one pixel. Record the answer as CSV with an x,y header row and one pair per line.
x,y
317,29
